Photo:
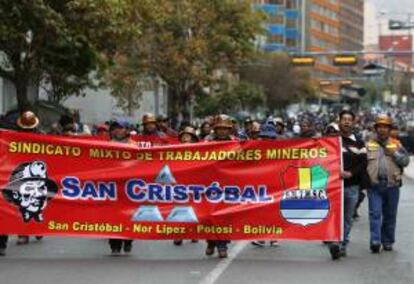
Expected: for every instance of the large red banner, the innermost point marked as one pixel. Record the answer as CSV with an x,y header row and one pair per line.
x,y
220,190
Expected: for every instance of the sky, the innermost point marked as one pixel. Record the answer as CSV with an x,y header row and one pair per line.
x,y
401,6
389,9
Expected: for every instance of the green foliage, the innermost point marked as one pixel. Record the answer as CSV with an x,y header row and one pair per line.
x,y
281,82
244,96
184,42
58,41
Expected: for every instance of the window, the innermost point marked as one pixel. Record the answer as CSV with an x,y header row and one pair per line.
x,y
275,2
291,4
324,12
291,23
277,19
279,39
291,42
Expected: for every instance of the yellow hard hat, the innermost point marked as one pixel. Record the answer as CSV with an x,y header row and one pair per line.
x,y
383,120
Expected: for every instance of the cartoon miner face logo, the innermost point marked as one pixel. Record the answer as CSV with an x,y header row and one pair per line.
x,y
304,200
29,188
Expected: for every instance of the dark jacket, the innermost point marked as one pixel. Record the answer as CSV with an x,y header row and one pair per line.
x,y
354,157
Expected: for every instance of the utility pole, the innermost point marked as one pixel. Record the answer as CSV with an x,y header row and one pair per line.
x,y
303,28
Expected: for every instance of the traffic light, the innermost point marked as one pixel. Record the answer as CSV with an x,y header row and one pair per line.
x,y
400,25
345,60
302,60
324,83
346,82
395,25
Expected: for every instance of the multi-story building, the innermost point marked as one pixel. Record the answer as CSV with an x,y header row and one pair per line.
x,y
322,29
283,24
351,19
334,26
397,43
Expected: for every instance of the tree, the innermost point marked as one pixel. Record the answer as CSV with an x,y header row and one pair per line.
x,y
243,96
59,42
282,83
184,42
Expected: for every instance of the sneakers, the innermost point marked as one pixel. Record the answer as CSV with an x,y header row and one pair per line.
x,y
116,252
258,243
274,243
178,242
210,248
22,240
222,253
2,252
335,251
356,215
387,247
375,248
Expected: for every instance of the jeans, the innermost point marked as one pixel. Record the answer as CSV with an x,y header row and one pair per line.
x,y
3,241
383,205
351,195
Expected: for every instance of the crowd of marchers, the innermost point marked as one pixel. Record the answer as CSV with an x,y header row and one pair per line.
x,y
373,161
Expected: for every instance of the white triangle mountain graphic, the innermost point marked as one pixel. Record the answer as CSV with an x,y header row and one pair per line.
x,y
165,176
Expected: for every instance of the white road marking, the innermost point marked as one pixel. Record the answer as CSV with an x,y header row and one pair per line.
x,y
221,267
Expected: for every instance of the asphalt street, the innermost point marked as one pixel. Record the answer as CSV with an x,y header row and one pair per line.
x,y
87,261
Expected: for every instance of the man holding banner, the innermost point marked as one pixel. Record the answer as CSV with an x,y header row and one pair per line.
x,y
118,132
222,132
354,158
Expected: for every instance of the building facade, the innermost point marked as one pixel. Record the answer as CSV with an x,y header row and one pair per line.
x,y
283,25
322,28
351,18
397,43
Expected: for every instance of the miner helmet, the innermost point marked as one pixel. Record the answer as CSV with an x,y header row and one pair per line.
x,y
223,121
162,118
383,119
191,131
148,118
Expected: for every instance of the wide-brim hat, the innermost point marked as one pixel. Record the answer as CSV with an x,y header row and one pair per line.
x,y
279,120
148,118
32,171
28,120
8,190
190,131
162,118
223,121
